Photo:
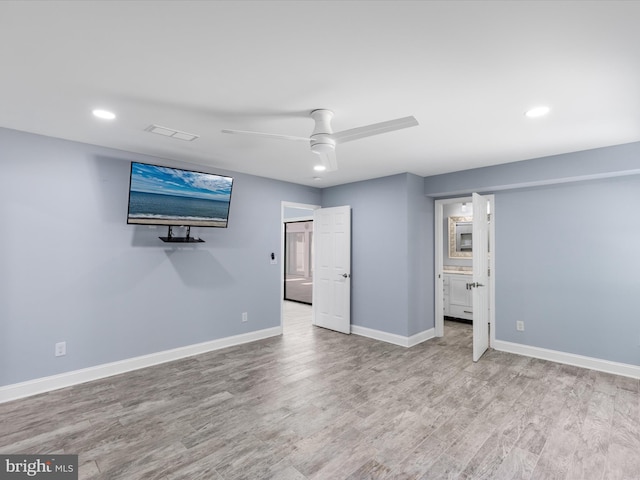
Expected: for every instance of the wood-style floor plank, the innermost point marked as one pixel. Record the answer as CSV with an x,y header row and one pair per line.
x,y
315,404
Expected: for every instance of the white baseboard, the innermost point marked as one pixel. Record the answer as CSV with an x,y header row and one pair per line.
x,y
392,337
624,369
422,337
67,379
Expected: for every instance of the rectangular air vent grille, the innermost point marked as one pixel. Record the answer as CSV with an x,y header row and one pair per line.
x,y
170,132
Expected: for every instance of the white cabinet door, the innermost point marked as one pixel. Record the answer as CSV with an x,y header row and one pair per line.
x,y
459,294
460,300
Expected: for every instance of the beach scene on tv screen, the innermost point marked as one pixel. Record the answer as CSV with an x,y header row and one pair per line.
x,y
170,196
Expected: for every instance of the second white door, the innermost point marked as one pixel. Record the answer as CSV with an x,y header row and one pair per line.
x,y
480,284
332,268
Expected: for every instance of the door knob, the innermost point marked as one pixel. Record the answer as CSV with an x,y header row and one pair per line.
x,y
346,275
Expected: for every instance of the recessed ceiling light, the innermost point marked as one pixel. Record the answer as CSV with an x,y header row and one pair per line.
x,y
319,168
104,114
537,111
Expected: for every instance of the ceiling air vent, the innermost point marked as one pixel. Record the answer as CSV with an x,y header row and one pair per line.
x,y
170,132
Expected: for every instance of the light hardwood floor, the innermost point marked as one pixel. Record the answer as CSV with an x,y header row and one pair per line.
x,y
314,404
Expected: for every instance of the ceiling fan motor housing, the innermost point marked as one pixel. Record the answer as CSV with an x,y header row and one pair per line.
x,y
320,147
321,142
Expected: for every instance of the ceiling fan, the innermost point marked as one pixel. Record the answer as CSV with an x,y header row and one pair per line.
x,y
323,140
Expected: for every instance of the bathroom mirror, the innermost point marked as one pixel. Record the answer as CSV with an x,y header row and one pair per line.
x,y
460,241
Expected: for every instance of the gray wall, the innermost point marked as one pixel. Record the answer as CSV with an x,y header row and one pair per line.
x,y
565,248
392,252
613,161
421,258
567,265
72,269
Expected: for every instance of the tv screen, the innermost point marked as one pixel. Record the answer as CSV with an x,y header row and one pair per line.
x,y
175,197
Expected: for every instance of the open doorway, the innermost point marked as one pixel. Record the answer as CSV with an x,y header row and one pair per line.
x,y
296,267
298,261
458,269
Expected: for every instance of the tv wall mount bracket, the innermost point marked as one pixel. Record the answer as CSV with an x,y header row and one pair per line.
x,y
186,239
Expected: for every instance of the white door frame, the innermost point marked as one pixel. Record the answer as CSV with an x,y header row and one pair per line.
x,y
284,205
439,264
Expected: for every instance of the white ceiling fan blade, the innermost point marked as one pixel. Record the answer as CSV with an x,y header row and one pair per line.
x,y
267,135
374,129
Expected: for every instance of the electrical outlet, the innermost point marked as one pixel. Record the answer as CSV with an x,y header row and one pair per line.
x,y
245,316
520,326
61,349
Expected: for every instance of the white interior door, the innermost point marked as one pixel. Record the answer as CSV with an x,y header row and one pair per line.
x,y
332,268
480,285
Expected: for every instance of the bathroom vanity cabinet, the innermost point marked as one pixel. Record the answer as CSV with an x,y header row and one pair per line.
x,y
458,301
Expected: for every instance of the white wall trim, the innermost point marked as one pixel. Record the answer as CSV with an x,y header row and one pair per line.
x,y
616,368
421,337
392,337
297,219
67,379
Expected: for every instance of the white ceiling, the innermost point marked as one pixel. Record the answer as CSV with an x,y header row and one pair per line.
x,y
466,70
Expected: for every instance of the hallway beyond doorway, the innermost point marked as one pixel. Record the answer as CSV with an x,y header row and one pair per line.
x,y
298,255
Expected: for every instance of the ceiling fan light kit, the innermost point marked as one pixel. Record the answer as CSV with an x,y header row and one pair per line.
x,y
323,140
540,111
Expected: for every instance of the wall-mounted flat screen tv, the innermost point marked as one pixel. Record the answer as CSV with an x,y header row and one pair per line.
x,y
176,197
